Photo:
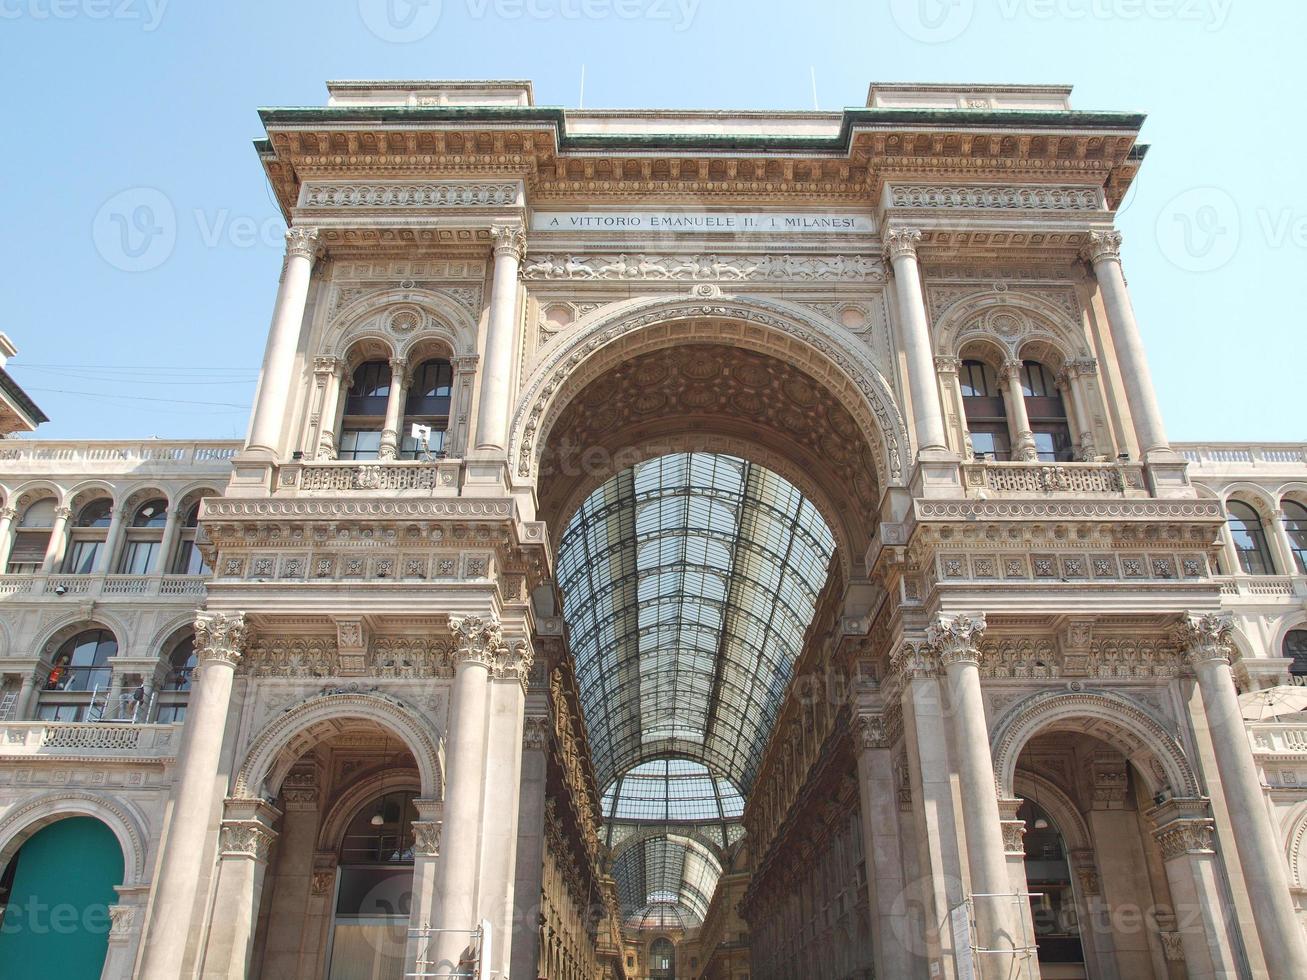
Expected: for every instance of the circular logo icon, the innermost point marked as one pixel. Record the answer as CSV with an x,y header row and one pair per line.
x,y
400,21
1198,230
932,21
136,229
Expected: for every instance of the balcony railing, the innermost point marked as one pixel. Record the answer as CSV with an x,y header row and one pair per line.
x,y
349,476
1263,587
54,739
1236,455
1042,479
105,586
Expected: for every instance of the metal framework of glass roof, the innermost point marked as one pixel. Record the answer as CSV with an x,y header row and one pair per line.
x,y
665,876
688,582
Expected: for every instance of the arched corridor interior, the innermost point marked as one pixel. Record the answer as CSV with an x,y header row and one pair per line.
x,y
688,583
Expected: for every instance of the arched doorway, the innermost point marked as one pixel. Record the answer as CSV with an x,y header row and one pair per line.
x,y
662,959
56,893
374,890
1052,904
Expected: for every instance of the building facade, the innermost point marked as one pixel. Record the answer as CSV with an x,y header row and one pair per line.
x,y
667,545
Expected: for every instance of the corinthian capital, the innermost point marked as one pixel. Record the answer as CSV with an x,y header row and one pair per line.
x,y
900,242
513,661
477,640
303,243
1102,245
956,639
219,636
509,240
1207,637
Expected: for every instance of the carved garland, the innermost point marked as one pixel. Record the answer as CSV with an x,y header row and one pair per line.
x,y
538,407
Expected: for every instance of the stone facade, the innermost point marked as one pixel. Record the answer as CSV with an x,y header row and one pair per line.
x,y
1052,654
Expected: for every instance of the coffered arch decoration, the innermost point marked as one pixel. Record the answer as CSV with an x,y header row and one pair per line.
x,y
1120,721
284,740
403,318
1025,325
120,816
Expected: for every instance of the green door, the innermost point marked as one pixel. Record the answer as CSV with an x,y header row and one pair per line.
x,y
61,884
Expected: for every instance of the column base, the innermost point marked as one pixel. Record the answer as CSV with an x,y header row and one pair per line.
x,y
1166,474
938,474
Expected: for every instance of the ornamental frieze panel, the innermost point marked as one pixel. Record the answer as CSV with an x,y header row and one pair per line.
x,y
438,195
708,267
387,657
1008,197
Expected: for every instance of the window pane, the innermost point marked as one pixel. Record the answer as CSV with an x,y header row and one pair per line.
x,y
1249,539
1295,524
360,443
991,442
1295,647
98,513
139,557
152,514
83,557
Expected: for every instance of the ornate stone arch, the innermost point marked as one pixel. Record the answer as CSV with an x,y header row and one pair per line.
x,y
1121,721
654,831
1294,842
1013,319
162,640
76,622
284,740
120,816
83,493
618,332
26,494
337,817
1070,824
403,317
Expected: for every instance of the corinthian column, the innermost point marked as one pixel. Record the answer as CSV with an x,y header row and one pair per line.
x,y
492,412
7,516
1207,642
901,250
1104,254
390,434
302,248
478,642
244,839
956,641
219,640
1018,419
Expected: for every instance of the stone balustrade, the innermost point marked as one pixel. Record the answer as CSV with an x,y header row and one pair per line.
x,y
1263,588
439,477
28,451
78,740
1021,479
106,587
1279,739
1243,456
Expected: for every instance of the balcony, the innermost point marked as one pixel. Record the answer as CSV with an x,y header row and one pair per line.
x,y
96,740
1027,479
440,477
1263,588
106,587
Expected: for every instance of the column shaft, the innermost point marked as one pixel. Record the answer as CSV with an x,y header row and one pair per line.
x,y
1018,419
243,843
113,540
390,434
54,551
326,446
493,409
901,247
531,848
502,793
7,516
1256,839
168,544
881,846
218,642
26,708
283,339
1104,254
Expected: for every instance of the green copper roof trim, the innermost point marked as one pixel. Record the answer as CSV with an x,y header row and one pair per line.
x,y
1021,119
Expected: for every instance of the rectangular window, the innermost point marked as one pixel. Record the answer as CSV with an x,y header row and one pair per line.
x,y
60,712
360,444
138,559
190,561
991,442
28,551
1053,444
83,557
408,446
171,714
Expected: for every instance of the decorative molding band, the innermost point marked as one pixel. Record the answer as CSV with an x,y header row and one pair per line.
x,y
409,195
330,509
1025,197
1125,509
629,267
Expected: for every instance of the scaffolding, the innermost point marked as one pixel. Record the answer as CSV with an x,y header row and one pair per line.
x,y
472,966
965,946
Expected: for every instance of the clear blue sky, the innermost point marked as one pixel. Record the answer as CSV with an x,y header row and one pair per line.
x,y
106,96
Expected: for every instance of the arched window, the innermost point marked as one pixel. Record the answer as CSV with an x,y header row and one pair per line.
x,y
189,560
32,538
427,404
1249,539
982,401
1295,526
88,536
181,665
365,411
662,959
144,538
1295,648
1052,902
80,665
1048,421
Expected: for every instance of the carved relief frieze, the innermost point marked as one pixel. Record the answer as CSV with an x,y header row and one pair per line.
x,y
407,195
1007,197
710,267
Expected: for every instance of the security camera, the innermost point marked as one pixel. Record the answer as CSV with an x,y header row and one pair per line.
x,y
61,590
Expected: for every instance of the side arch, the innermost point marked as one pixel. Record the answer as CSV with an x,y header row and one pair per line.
x,y
403,317
1013,319
283,740
119,816
618,332
1124,723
